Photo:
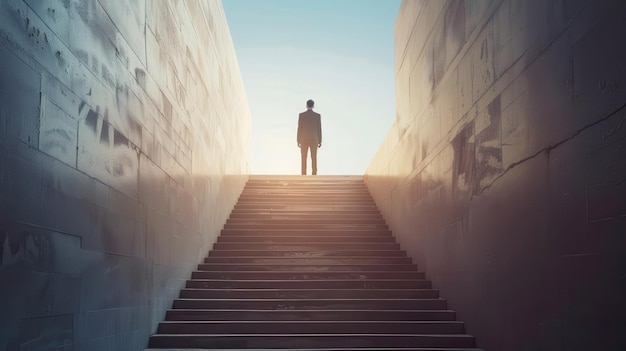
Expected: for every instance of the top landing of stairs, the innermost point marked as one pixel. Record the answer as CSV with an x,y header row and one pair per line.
x,y
316,178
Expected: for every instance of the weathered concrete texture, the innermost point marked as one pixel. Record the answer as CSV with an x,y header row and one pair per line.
x,y
124,137
504,173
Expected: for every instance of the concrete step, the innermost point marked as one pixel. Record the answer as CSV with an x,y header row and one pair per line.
x,y
300,220
306,275
309,293
319,181
310,315
278,215
279,206
310,340
310,233
226,267
251,184
308,263
310,327
318,199
316,182
305,187
359,210
320,225
327,204
305,246
337,194
311,260
312,304
309,284
279,252
327,349
309,183
328,196
303,205
301,212
337,197
316,226
299,239
250,188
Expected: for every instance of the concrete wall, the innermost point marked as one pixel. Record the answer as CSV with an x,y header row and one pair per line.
x,y
124,133
504,173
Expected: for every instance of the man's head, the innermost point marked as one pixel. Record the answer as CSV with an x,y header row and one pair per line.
x,y
310,103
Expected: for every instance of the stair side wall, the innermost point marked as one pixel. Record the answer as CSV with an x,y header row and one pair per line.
x,y
124,145
503,174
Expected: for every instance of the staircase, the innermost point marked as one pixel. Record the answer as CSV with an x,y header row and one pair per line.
x,y
308,263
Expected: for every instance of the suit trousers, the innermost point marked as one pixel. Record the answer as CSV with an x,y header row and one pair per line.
x,y
304,149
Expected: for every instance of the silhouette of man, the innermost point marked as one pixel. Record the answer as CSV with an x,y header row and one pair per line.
x,y
309,135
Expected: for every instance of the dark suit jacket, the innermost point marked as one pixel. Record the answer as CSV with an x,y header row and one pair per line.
x,y
309,127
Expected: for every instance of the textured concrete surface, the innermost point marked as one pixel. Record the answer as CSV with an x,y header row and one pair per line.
x,y
503,175
124,133
308,264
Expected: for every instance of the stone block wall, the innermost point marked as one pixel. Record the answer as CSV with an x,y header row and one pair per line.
x,y
503,174
124,144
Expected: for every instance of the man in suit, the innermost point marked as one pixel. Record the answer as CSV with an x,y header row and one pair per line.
x,y
309,135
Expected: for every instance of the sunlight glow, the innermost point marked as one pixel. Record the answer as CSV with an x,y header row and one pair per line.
x,y
338,53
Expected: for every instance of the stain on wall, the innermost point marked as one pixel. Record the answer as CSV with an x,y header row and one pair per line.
x,y
503,175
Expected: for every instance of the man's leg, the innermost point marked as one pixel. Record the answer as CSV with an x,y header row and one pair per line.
x,y
303,155
314,158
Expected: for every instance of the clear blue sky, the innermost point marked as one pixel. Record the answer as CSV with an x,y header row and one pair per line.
x,y
336,52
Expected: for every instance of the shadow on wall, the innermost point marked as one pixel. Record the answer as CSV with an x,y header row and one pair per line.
x,y
123,148
73,262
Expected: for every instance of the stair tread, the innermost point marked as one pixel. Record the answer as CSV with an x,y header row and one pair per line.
x,y
299,299
294,290
317,322
282,252
302,311
389,265
256,246
309,264
304,266
312,271
367,335
338,258
310,260
298,340
316,280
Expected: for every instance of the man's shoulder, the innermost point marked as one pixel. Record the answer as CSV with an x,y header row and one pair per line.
x,y
310,113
